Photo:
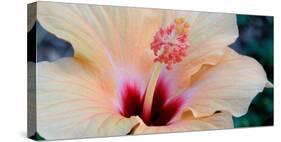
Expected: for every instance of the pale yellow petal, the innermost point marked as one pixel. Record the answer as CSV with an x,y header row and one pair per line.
x,y
209,36
215,28
104,35
68,23
207,30
73,103
269,85
221,120
199,61
230,85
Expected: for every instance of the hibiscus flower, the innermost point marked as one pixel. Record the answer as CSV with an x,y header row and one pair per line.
x,y
139,71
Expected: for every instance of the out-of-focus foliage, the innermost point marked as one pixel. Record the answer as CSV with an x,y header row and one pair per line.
x,y
48,47
256,40
37,137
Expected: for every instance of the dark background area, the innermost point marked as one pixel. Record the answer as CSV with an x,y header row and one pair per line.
x,y
255,40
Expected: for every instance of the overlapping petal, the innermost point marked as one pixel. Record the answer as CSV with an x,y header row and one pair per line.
x,y
230,85
221,120
209,36
71,103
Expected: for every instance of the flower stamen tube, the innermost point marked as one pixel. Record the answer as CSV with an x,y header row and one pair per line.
x,y
170,46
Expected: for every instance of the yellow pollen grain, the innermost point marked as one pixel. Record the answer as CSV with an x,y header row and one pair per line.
x,y
185,30
178,29
179,20
186,25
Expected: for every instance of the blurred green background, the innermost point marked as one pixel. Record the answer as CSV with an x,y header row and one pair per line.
x,y
256,40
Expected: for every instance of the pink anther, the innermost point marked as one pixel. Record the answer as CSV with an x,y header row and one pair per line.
x,y
170,44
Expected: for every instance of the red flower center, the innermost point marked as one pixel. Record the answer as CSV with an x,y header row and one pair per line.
x,y
164,109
